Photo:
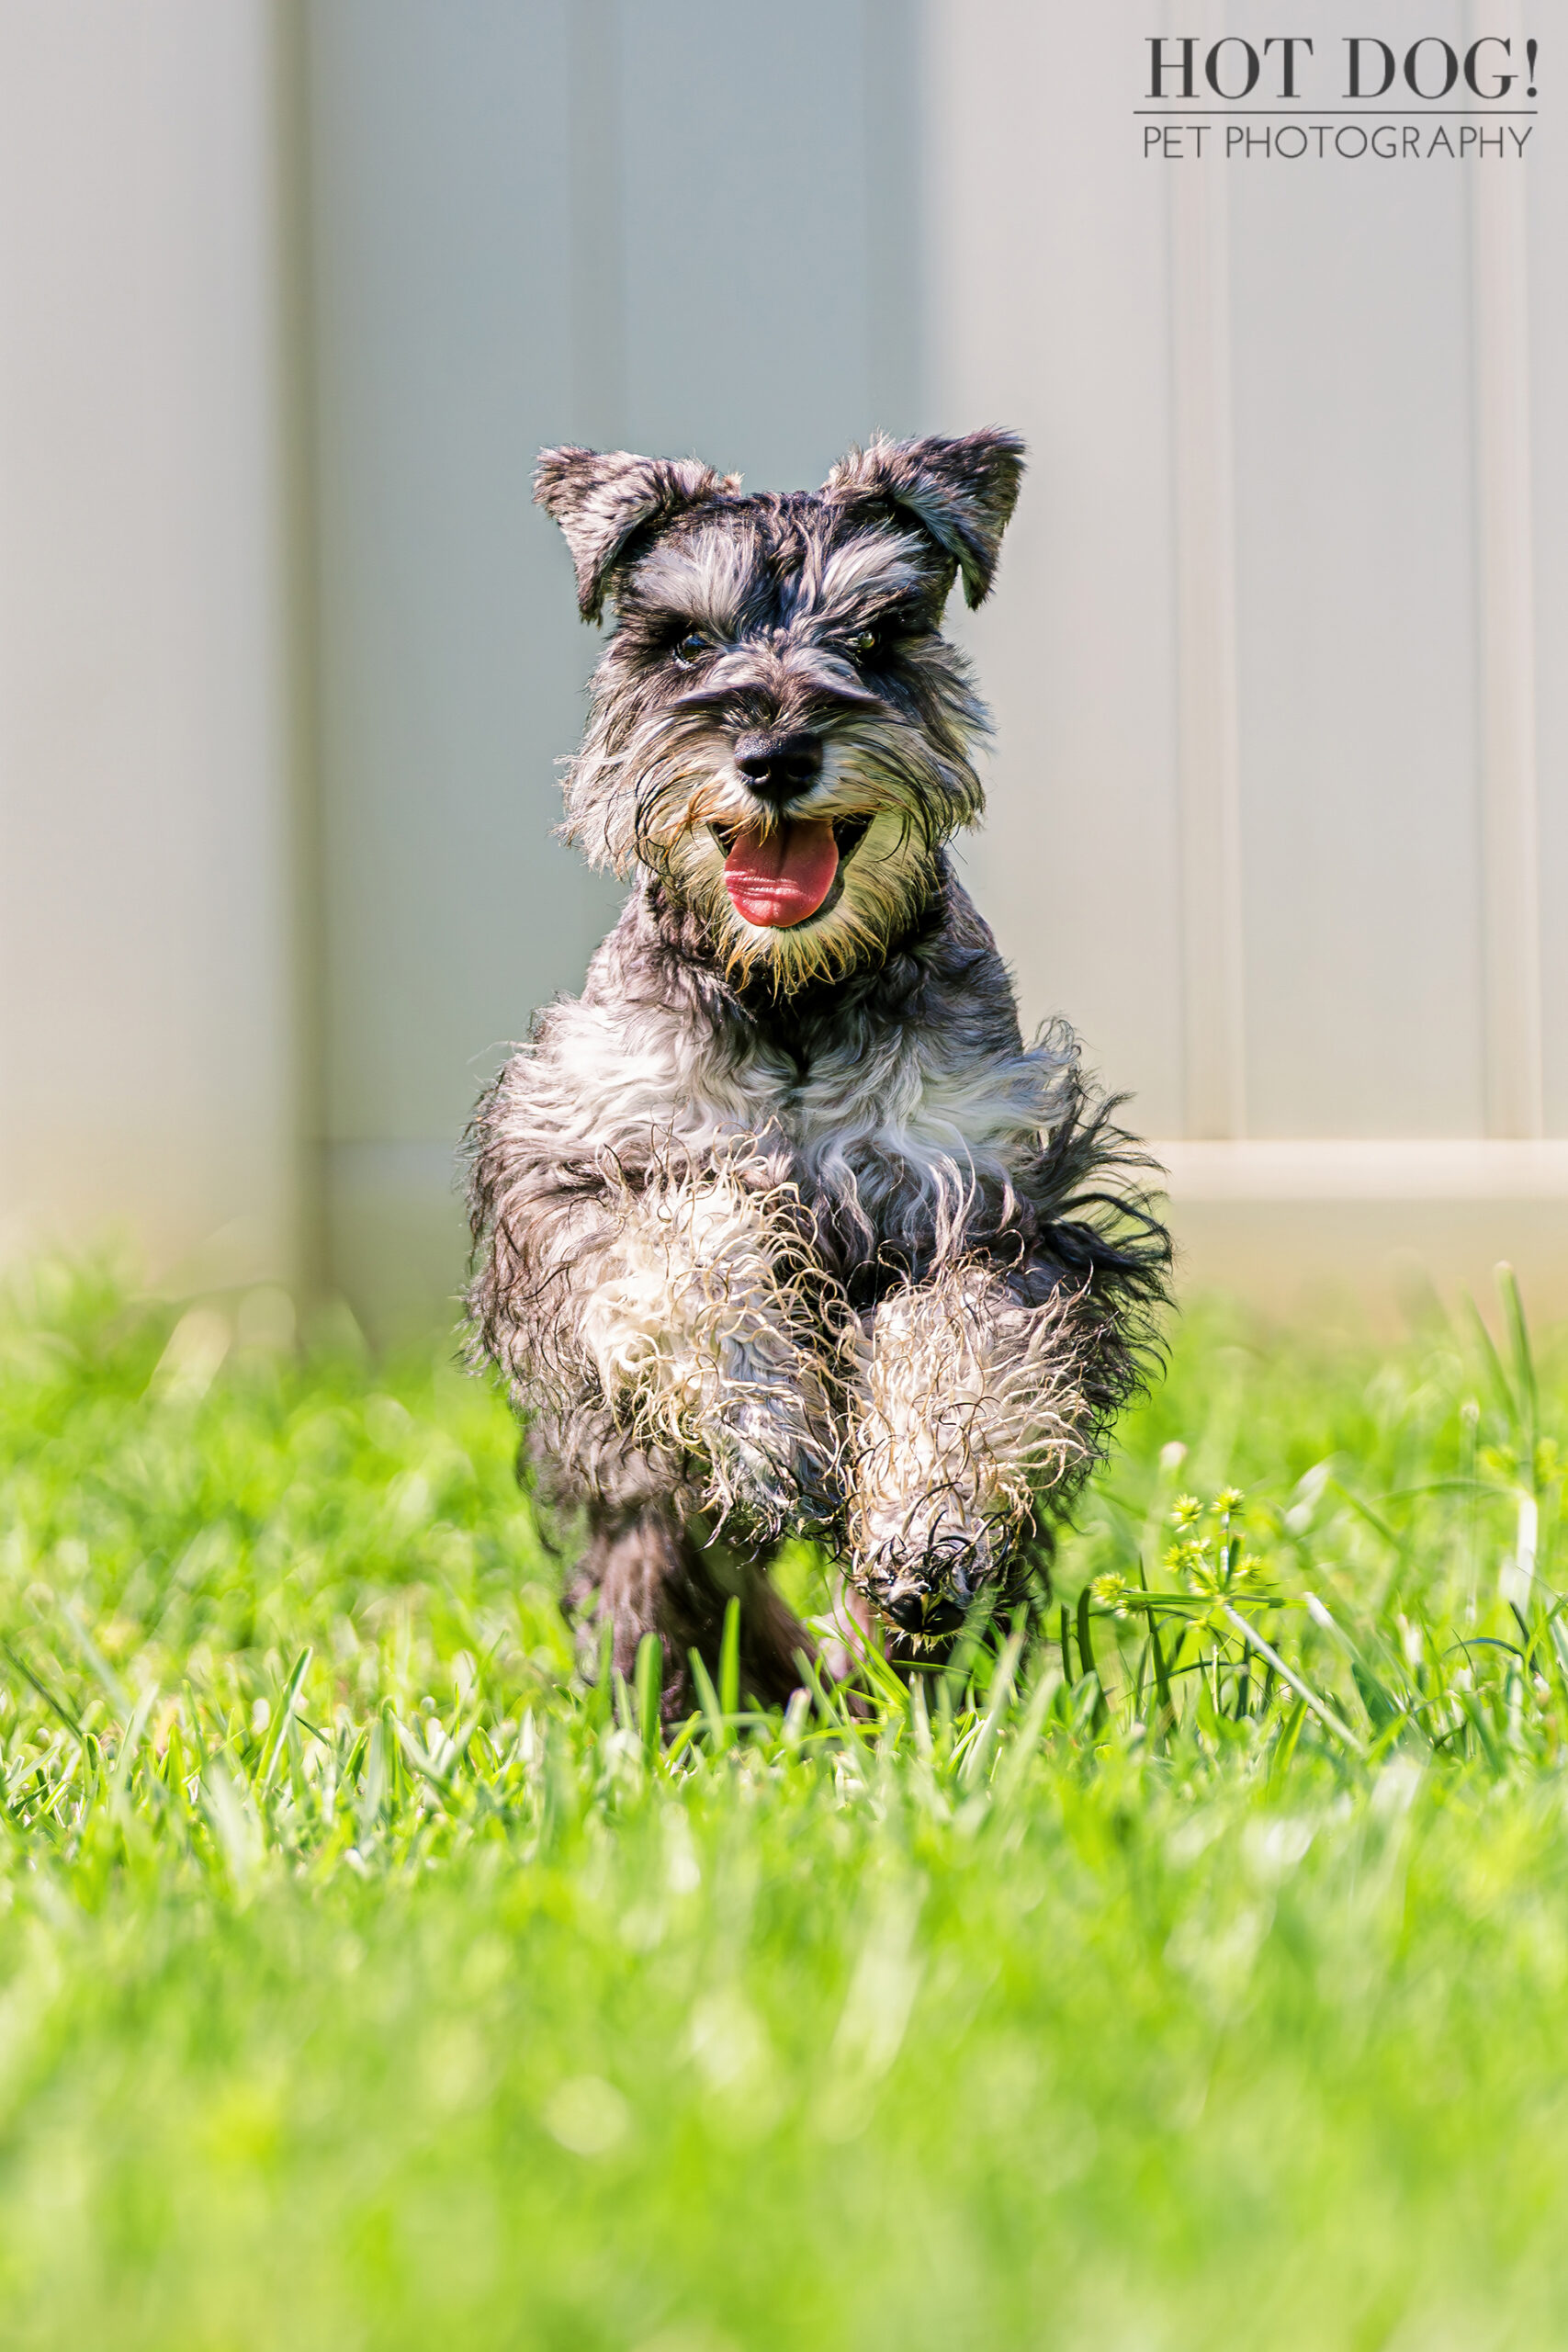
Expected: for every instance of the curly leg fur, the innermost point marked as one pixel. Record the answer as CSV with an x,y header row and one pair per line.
x,y
971,1405
696,1313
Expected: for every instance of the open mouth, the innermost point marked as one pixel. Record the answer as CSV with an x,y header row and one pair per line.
x,y
786,875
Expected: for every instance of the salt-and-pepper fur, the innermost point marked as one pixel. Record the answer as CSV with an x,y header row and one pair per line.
x,y
787,1230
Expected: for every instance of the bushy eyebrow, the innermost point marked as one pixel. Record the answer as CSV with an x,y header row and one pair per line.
x,y
704,579
863,576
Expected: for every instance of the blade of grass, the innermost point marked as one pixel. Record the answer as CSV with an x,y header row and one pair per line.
x,y
281,1715
919,1720
1325,1715
1374,1520
828,1707
119,1696
56,1706
730,1658
125,1760
970,1634
996,1712
720,1731
1165,1722
683,1737
649,1690
1502,1387
1524,1366
1086,1652
1285,1746
1023,1746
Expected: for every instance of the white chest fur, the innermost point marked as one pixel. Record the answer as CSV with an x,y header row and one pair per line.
x,y
903,1118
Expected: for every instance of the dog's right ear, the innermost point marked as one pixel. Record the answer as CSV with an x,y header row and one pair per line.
x,y
600,498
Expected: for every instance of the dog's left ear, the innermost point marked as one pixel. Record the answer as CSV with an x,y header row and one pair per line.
x,y
963,490
600,498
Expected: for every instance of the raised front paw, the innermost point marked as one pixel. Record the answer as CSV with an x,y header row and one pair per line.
x,y
924,1577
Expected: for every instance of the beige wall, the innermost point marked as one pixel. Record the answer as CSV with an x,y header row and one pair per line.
x,y
1278,796
1273,646
540,223
148,1021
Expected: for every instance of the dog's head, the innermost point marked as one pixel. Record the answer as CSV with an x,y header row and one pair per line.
x,y
779,731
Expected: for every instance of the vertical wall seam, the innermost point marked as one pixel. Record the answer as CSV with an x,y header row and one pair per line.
x,y
312,1270
1208,744
1510,850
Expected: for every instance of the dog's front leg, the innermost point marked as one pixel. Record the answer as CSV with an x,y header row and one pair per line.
x,y
968,1404
701,1309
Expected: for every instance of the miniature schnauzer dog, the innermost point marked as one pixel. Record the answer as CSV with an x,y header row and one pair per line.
x,y
781,1228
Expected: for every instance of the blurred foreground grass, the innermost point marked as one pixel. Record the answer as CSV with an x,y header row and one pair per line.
x,y
1196,1976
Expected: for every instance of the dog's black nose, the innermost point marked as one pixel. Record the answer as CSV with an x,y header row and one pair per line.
x,y
907,1612
777,767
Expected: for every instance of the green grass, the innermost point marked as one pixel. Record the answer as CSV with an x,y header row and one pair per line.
x,y
367,1979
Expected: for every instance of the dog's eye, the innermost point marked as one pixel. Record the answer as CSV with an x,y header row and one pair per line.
x,y
692,648
867,642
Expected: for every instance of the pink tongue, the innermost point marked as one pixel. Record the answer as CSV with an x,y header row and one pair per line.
x,y
779,879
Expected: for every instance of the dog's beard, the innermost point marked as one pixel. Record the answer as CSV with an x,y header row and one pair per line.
x,y
886,838
877,892
672,801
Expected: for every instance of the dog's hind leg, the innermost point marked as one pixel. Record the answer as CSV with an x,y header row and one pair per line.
x,y
645,1572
